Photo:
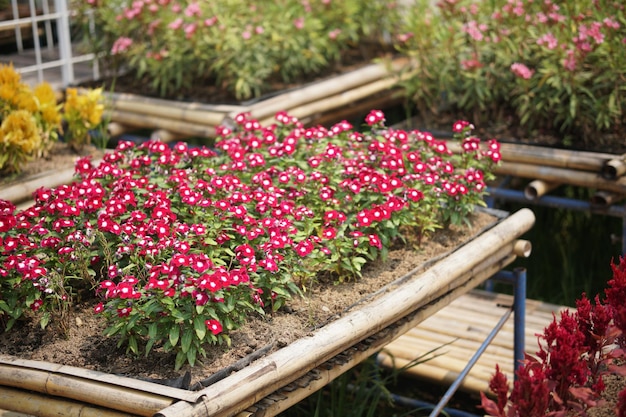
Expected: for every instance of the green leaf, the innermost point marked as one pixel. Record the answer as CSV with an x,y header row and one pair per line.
x,y
4,306
191,355
199,327
185,341
132,344
45,319
174,335
152,331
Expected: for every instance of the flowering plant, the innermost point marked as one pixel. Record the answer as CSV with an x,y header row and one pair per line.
x,y
31,119
575,353
181,244
242,46
555,66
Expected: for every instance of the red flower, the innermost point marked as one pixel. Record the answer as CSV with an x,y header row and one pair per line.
x,y
214,326
99,308
304,247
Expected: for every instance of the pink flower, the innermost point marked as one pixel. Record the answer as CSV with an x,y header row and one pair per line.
x,y
176,24
299,23
246,34
375,117
549,40
522,70
121,45
193,9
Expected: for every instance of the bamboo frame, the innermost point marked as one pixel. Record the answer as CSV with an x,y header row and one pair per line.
x,y
328,372
242,389
22,191
325,88
91,387
569,176
603,199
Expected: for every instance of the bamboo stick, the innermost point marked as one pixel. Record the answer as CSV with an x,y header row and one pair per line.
x,y
538,188
566,176
320,90
235,393
142,120
33,404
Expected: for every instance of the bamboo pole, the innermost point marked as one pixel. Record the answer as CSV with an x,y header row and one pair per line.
x,y
147,121
322,89
552,157
23,191
538,188
33,404
233,394
568,176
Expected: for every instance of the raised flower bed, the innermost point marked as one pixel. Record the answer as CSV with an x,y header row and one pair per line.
x,y
182,247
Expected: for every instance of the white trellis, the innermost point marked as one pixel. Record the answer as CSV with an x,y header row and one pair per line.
x,y
56,56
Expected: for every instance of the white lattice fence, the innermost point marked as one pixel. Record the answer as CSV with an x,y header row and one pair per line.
x,y
43,44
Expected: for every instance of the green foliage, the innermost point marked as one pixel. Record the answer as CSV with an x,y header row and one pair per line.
x,y
241,45
555,66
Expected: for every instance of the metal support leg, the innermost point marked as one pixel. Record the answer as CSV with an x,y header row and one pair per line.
x,y
519,317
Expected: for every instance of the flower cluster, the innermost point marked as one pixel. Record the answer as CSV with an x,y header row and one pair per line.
x,y
575,352
181,44
551,64
181,244
31,118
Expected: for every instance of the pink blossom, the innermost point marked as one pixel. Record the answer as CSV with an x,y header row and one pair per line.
x,y
549,40
190,29
569,63
299,23
522,70
210,21
193,9
176,24
246,35
333,34
121,45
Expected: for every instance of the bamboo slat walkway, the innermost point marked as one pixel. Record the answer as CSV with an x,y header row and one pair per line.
x,y
455,333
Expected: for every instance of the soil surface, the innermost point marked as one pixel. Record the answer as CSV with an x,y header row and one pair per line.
x,y
86,347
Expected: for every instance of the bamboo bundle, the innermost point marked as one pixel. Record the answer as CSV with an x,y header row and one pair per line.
x,y
193,113
340,100
326,88
569,176
605,199
150,121
89,387
235,393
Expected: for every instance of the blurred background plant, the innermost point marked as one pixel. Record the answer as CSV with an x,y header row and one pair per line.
x,y
31,119
547,67
238,45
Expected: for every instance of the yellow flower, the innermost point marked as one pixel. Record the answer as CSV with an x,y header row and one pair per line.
x,y
19,131
46,97
8,75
